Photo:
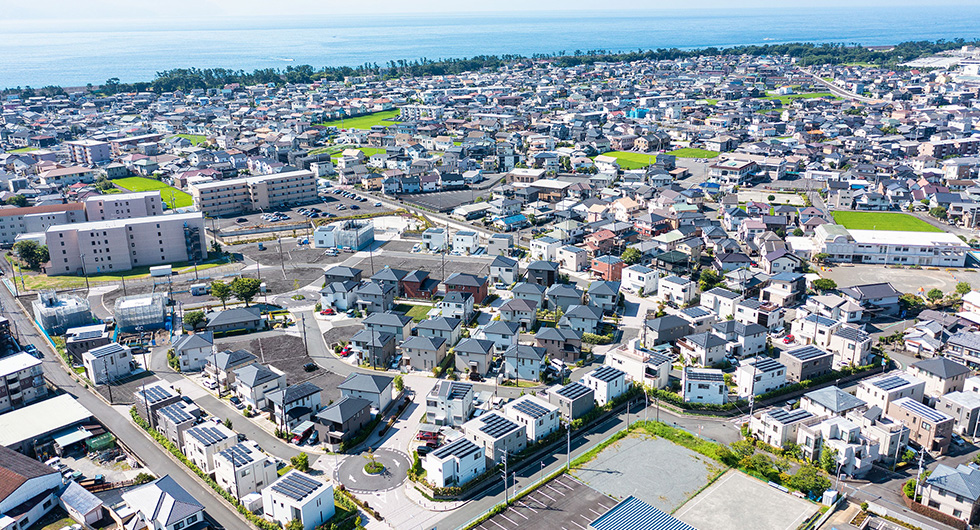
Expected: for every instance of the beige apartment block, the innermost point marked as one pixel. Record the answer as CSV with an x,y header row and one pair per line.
x,y
123,206
123,244
264,192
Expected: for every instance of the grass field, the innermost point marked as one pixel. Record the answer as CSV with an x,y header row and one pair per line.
x,y
368,151
883,221
43,281
691,152
416,311
167,193
366,121
24,150
631,160
196,139
711,101
785,100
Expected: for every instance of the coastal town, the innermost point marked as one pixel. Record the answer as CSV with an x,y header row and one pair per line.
x,y
712,292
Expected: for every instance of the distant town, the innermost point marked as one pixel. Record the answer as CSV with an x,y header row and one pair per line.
x,y
705,292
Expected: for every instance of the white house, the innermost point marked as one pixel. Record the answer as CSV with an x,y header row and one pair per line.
x,y
28,486
538,417
301,497
243,469
721,301
759,375
108,363
193,350
435,239
254,382
607,382
466,242
203,442
678,290
704,385
378,389
640,279
455,463
882,390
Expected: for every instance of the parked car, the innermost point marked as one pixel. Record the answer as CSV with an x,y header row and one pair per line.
x,y
427,435
377,205
789,339
237,402
241,220
423,450
329,310
309,367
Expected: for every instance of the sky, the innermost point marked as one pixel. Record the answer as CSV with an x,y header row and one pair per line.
x,y
195,9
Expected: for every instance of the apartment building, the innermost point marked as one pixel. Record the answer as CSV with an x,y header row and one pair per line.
x,y
123,206
37,219
88,152
122,244
21,381
249,194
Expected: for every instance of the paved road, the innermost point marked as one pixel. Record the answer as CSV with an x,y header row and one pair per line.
x,y
838,90
119,423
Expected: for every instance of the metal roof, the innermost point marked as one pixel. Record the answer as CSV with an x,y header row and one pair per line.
x,y
635,514
495,425
295,485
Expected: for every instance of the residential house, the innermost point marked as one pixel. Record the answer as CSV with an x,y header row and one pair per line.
x,y
581,318
29,489
447,328
941,376
163,505
703,349
378,389
850,346
243,469
573,400
423,353
498,436
473,356
607,383
294,404
604,295
504,270
677,290
174,420
954,491
467,283
878,298
562,296
519,311
930,429
457,304
743,339
523,362
609,268
964,408
374,347
375,297
341,421
235,319
341,296
254,383
881,390
532,292
390,278
665,330
221,366
831,401
391,322
203,442
785,289
455,463
417,284
449,403
704,385
559,343
640,280
298,496
193,350
805,363
778,426
759,375
544,273
538,417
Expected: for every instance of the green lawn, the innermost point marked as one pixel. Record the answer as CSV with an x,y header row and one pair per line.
x,y
365,122
417,312
195,139
368,151
24,150
691,152
42,281
632,160
882,221
785,100
167,193
711,101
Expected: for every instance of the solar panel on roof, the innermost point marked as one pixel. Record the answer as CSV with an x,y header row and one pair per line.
x,y
85,335
459,390
767,364
295,486
239,455
605,373
530,408
789,416
155,394
460,448
176,413
805,353
573,391
207,435
496,425
922,410
704,376
891,383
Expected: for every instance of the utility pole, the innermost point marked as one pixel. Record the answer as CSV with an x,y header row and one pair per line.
x,y
306,348
568,447
282,262
506,487
123,279
108,383
918,476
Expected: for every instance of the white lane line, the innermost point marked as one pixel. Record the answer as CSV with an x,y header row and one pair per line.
x,y
519,513
546,495
555,490
528,507
508,519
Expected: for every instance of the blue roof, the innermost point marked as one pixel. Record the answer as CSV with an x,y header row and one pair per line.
x,y
519,218
635,514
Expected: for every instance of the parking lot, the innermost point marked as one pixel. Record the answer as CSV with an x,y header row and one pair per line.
x,y
330,204
737,500
905,280
563,503
445,201
638,465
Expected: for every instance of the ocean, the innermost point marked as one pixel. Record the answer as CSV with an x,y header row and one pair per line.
x,y
69,53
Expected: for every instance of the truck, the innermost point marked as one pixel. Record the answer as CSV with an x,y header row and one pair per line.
x,y
161,270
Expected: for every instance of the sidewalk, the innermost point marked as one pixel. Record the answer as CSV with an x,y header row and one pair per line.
x,y
416,496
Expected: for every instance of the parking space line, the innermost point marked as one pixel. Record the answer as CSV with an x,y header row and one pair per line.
x,y
546,495
519,513
508,519
595,512
554,490
498,524
578,525
526,506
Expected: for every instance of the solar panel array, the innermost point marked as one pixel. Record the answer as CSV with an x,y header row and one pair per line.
x,y
496,425
156,394
239,455
532,409
699,375
789,416
459,390
296,486
573,390
922,410
605,373
805,353
207,435
86,335
460,448
176,413
767,364
890,383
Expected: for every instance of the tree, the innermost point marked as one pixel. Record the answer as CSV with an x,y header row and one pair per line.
x,y
399,383
245,289
32,252
709,279
798,232
301,462
809,480
193,318
771,198
631,256
216,247
963,288
103,184
910,302
18,200
295,524
828,459
821,257
221,291
934,295
228,422
938,212
824,284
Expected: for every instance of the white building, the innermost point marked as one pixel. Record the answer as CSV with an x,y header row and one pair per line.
x,y
496,434
203,442
350,234
607,382
538,417
455,463
108,363
721,301
642,366
250,194
435,239
677,290
298,496
466,242
880,391
778,426
449,403
637,278
704,385
882,247
243,469
21,381
123,206
29,490
759,375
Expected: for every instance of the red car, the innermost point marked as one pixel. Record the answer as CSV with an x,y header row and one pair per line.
x,y
328,311
428,436
789,339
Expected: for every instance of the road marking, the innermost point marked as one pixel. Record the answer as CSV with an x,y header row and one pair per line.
x,y
595,512
498,524
546,495
526,506
578,525
519,513
508,519
351,477
397,464
554,490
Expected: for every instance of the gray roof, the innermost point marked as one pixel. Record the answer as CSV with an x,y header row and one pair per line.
x,y
478,346
388,318
255,374
439,324
604,288
237,315
371,383
606,373
870,291
341,271
457,297
163,500
849,333
79,498
562,334
344,409
519,304
503,261
528,288
293,393
229,359
499,327
834,399
666,322
724,293
373,339
424,343
942,367
562,289
339,287
706,340
584,312
542,265
197,340
523,351
964,480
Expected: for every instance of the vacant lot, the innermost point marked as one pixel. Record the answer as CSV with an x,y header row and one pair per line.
x,y
737,500
285,352
418,312
639,465
691,152
632,160
195,139
787,99
883,221
173,197
366,121
778,199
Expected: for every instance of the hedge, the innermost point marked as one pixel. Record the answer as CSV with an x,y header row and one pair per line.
x,y
258,521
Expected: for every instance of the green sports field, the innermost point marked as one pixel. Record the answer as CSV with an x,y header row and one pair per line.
x,y
888,221
691,152
632,160
365,122
194,139
787,99
167,193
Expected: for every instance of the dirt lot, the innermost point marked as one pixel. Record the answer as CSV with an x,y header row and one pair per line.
x,y
445,201
431,263
285,352
122,392
342,333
